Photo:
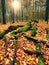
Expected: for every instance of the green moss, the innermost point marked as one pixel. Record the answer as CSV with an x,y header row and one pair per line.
x,y
40,63
34,31
43,41
30,36
22,30
2,34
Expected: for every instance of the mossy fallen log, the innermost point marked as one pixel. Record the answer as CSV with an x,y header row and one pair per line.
x,y
24,29
32,52
11,28
43,41
32,39
35,40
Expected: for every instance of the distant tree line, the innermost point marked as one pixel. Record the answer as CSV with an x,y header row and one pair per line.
x,y
26,11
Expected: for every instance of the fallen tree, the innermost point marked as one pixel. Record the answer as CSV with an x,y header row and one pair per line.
x,y
11,28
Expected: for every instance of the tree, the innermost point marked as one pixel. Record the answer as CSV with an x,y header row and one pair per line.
x,y
3,11
47,11
26,4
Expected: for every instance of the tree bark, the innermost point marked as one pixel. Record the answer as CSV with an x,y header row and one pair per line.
x,y
47,11
3,11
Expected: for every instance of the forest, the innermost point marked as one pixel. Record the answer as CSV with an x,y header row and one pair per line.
x,y
24,32
27,10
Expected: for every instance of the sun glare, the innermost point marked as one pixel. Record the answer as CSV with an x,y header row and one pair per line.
x,y
16,5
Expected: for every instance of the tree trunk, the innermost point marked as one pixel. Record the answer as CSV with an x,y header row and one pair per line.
x,y
47,11
3,11
13,17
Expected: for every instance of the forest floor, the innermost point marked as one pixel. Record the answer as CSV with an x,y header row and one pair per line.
x,y
5,26
23,50
41,25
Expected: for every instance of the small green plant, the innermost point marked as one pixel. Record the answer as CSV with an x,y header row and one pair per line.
x,y
38,47
16,63
34,31
13,33
15,43
47,33
47,36
41,57
29,23
40,63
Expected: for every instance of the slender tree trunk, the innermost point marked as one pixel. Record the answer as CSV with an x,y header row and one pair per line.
x,y
3,11
26,10
13,16
22,10
47,11
22,15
